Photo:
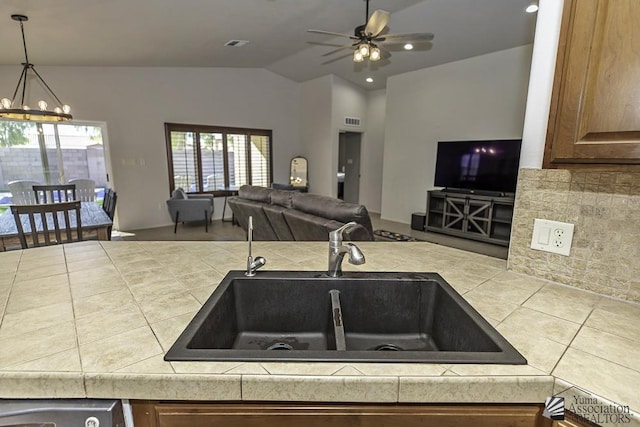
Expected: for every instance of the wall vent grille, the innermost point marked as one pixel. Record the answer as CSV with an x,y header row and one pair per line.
x,y
352,121
236,43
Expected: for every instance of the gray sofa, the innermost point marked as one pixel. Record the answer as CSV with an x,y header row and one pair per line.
x,y
292,215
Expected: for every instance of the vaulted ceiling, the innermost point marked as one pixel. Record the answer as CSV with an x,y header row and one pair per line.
x,y
193,33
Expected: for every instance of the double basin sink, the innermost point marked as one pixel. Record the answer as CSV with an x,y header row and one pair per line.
x,y
360,317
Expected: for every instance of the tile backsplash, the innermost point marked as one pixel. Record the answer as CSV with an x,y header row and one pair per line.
x,y
605,209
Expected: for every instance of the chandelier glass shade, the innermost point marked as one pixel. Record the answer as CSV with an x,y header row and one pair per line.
x,y
18,108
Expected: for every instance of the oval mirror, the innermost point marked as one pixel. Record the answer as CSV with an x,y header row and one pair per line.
x,y
298,173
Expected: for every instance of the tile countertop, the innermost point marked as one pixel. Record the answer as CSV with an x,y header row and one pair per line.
x,y
94,319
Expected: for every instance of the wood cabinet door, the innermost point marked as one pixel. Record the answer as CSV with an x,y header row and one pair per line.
x,y
161,414
595,107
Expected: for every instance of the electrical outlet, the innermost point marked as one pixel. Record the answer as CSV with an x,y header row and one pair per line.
x,y
552,236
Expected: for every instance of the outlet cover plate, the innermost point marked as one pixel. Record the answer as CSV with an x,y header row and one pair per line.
x,y
552,236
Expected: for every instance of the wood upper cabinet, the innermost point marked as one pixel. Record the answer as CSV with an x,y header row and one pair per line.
x,y
595,107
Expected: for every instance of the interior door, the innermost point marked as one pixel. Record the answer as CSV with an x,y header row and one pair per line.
x,y
349,164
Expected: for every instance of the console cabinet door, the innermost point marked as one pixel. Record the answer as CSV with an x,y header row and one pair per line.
x,y
595,108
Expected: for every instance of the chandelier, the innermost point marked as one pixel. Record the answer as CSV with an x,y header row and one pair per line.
x,y
12,109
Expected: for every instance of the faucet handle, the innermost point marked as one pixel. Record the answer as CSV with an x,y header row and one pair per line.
x,y
336,235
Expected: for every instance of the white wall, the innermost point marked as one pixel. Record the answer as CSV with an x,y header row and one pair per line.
x,y
316,132
373,152
543,61
136,102
478,98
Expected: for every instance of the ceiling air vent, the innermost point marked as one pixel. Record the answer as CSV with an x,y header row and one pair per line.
x,y
352,121
236,43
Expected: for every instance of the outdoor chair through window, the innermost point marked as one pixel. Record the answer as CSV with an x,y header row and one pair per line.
x,y
48,224
85,189
55,193
22,192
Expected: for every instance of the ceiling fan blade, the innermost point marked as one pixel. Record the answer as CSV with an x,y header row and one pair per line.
x,y
376,23
384,54
329,44
331,33
410,37
336,59
336,50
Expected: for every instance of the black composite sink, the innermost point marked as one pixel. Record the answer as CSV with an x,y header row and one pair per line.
x,y
365,317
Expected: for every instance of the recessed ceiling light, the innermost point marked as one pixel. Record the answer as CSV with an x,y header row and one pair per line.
x,y
533,7
369,79
408,46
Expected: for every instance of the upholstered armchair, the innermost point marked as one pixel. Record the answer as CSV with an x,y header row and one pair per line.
x,y
192,207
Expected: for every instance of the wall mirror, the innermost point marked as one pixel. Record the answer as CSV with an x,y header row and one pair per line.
x,y
298,173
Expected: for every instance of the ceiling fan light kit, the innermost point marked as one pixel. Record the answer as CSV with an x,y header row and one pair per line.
x,y
375,54
364,49
11,109
366,38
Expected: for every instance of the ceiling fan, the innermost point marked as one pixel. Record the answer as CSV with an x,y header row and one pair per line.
x,y
368,39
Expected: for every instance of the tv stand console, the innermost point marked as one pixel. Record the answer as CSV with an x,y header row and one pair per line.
x,y
486,218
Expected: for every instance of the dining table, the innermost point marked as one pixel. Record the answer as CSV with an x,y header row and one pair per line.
x,y
95,224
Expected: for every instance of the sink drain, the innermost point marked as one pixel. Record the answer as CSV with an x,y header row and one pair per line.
x,y
388,347
280,346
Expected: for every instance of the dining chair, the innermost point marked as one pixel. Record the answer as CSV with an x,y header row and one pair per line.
x,y
22,192
85,189
48,224
109,205
55,193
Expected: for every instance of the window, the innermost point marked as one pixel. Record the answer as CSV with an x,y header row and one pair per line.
x,y
50,153
212,158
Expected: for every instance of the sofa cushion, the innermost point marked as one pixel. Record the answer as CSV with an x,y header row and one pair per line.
x,y
331,208
257,194
282,198
275,214
243,209
307,227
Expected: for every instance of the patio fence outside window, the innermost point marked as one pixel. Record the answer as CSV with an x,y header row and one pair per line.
x,y
50,153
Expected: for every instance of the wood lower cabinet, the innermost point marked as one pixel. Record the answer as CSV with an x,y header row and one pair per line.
x,y
194,414
594,119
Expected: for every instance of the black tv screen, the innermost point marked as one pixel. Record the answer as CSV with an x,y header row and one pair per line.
x,y
490,166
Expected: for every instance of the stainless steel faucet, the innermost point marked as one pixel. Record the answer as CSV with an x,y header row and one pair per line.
x,y
252,264
337,250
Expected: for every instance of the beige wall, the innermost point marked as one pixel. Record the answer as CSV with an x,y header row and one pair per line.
x,y
605,208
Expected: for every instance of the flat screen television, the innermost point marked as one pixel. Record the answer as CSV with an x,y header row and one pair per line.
x,y
478,166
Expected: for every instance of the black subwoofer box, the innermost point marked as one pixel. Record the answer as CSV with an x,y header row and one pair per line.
x,y
418,221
